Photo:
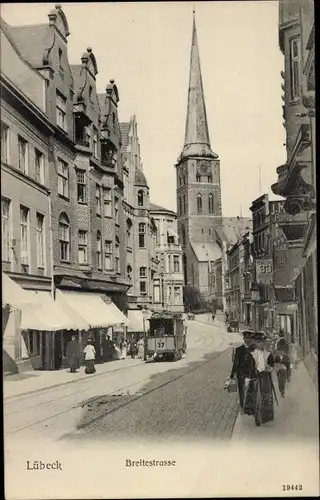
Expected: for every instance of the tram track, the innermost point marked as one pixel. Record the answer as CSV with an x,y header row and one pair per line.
x,y
117,392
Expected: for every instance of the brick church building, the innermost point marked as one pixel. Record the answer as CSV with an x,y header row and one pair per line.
x,y
203,231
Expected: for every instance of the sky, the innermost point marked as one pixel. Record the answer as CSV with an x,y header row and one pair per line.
x,y
146,46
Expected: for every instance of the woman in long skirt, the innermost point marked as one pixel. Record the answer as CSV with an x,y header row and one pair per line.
x,y
258,399
89,357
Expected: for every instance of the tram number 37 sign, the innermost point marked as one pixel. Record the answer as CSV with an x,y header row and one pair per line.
x,y
264,271
160,345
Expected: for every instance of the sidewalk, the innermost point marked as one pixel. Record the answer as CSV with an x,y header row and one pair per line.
x,y
296,417
35,381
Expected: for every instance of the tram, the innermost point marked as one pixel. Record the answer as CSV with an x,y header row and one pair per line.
x,y
166,340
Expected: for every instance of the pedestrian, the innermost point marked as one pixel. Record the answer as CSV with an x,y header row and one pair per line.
x,y
283,366
213,316
133,349
242,364
89,357
73,354
123,349
259,389
141,349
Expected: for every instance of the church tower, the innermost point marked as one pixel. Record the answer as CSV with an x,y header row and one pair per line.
x,y
198,183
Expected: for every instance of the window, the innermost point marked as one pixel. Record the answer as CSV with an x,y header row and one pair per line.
x,y
4,142
198,178
129,272
61,111
199,202
64,237
177,295
60,58
295,67
107,202
108,255
176,264
140,198
98,199
142,235
180,206
81,186
40,241
39,166
82,247
210,203
24,235
143,272
184,204
5,229
210,179
63,179
143,287
156,291
95,142
117,255
23,155
183,233
116,210
98,251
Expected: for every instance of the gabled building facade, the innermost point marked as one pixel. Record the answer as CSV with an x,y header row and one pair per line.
x,y
86,181
168,280
297,177
141,261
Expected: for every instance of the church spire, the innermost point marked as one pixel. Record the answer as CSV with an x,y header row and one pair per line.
x,y
197,140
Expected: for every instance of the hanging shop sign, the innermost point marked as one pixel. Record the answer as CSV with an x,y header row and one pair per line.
x,y
264,271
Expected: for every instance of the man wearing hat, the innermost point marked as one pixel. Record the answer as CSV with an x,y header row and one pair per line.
x,y
242,364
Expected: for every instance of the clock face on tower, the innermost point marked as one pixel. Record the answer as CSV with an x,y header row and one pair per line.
x,y
204,167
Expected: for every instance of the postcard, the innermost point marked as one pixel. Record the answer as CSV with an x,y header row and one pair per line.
x,y
159,256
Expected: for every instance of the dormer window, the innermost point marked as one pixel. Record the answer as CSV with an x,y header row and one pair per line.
x,y
140,198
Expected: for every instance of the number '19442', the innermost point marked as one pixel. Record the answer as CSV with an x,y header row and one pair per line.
x,y
288,487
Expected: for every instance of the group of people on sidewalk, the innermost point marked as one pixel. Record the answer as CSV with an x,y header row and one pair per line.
x,y
111,349
253,365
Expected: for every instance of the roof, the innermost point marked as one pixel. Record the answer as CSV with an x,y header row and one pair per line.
x,y
140,179
234,228
102,101
206,251
197,139
124,129
157,208
31,41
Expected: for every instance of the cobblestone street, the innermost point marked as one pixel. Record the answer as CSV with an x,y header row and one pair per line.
x,y
183,400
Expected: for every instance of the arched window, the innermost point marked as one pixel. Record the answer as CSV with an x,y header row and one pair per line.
x,y
140,198
64,237
180,205
199,202
117,254
210,178
198,178
211,203
99,251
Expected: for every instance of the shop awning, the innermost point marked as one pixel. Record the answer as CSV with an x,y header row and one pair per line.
x,y
94,310
38,309
13,294
136,320
50,316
